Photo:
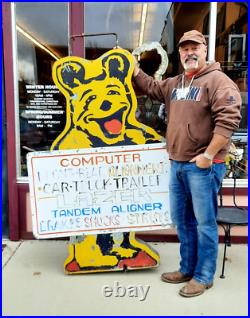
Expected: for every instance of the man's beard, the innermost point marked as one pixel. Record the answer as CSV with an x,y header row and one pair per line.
x,y
187,66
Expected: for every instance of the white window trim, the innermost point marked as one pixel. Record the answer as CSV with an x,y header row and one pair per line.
x,y
212,31
16,89
240,183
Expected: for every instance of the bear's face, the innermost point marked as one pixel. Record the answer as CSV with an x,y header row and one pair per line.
x,y
102,108
101,103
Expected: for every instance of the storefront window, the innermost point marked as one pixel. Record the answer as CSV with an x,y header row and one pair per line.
x,y
165,23
42,38
135,24
232,53
183,17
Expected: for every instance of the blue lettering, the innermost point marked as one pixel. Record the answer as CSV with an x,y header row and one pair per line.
x,y
54,212
62,213
85,211
157,205
115,208
132,207
77,212
50,226
69,213
42,229
97,211
140,207
148,206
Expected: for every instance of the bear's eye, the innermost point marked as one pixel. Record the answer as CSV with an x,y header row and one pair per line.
x,y
113,93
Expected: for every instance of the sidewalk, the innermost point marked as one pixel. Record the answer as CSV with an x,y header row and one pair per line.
x,y
34,283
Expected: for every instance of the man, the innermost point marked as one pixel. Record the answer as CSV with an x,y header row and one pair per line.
x,y
203,110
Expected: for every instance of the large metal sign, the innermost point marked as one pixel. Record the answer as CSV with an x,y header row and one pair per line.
x,y
72,196
99,190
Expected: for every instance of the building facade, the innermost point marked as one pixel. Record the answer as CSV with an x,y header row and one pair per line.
x,y
35,35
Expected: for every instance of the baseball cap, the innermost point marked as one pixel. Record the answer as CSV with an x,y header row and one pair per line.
x,y
194,36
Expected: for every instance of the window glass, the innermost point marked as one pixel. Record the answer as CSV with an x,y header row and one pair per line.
x,y
42,38
183,17
165,22
126,19
232,53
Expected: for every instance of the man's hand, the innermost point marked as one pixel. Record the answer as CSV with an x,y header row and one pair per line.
x,y
216,144
201,161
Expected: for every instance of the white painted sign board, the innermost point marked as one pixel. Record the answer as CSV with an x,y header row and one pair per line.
x,y
99,190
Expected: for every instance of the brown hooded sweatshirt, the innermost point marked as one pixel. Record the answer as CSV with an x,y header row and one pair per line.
x,y
211,104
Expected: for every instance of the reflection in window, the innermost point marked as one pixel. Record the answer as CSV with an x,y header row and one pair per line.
x,y
42,38
232,53
125,19
134,23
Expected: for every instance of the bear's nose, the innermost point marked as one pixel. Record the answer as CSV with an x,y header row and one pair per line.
x,y
106,105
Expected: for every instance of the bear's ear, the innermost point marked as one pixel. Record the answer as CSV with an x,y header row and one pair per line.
x,y
68,73
117,64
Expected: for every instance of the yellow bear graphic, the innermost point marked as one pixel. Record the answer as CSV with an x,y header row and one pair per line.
x,y
101,107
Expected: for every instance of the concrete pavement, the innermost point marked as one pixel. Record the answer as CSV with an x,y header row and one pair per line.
x,y
34,283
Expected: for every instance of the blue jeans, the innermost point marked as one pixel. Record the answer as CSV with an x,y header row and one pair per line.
x,y
193,206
